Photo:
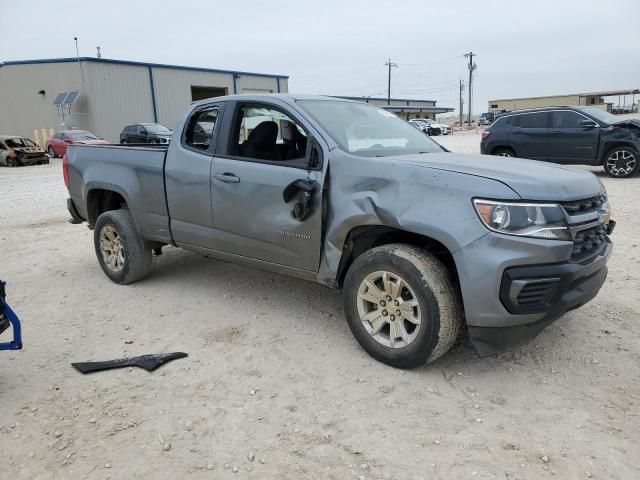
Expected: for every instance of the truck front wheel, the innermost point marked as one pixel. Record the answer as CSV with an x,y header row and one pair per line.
x,y
122,254
401,305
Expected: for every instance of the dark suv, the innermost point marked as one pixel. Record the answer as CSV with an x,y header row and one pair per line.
x,y
146,133
569,135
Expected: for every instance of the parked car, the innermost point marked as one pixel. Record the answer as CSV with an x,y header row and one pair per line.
x,y
146,133
419,239
444,129
57,144
486,118
569,135
425,125
16,151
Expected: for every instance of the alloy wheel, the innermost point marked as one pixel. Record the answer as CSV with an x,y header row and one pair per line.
x,y
389,309
111,248
621,163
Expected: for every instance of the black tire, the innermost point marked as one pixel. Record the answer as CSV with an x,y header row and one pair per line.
x,y
51,152
503,152
621,162
123,141
137,255
12,162
436,295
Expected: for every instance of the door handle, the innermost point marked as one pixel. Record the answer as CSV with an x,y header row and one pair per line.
x,y
227,177
555,132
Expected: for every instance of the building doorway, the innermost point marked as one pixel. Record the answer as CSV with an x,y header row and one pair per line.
x,y
200,93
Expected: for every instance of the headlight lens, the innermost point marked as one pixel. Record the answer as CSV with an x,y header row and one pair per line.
x,y
538,220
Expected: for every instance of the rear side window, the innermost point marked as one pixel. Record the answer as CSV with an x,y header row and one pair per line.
x,y
533,120
566,119
200,128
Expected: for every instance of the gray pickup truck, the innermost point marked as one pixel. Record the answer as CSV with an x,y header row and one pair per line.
x,y
421,241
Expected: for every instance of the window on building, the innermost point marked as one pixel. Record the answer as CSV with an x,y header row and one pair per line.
x,y
494,105
200,128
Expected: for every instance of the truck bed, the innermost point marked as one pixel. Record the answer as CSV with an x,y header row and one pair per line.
x,y
135,171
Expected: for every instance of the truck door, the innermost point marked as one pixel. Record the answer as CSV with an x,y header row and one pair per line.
x,y
530,135
188,178
569,141
267,203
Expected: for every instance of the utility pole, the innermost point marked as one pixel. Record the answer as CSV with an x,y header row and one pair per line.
x,y
461,102
395,65
472,67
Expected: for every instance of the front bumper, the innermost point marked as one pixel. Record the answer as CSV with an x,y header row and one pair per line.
x,y
33,160
533,285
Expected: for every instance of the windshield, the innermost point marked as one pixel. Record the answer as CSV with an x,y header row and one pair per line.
x,y
80,136
157,129
601,115
16,142
366,130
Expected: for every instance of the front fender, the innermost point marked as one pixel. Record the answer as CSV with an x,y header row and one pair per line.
x,y
425,201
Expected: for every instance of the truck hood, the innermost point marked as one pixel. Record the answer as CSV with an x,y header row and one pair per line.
x,y
632,122
530,179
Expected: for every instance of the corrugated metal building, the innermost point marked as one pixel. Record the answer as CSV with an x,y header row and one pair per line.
x,y
113,93
405,108
592,99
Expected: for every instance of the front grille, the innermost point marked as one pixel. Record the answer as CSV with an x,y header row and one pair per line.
x,y
589,242
578,207
536,294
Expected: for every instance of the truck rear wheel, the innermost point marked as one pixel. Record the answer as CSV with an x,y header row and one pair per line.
x,y
122,253
402,306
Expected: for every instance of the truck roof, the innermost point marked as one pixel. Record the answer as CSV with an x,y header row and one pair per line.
x,y
287,97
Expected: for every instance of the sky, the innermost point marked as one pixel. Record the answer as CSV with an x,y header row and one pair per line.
x,y
523,48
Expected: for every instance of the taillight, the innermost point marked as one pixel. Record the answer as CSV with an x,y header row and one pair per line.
x,y
485,134
65,170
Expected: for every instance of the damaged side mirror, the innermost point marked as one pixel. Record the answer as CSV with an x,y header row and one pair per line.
x,y
302,190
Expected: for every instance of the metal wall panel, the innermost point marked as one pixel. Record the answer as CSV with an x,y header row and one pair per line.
x,y
119,95
113,95
23,109
173,90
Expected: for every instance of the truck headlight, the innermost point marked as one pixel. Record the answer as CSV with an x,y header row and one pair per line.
x,y
537,220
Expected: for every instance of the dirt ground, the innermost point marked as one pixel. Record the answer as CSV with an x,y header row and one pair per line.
x,y
275,386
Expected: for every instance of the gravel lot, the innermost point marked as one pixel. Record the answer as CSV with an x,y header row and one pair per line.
x,y
276,387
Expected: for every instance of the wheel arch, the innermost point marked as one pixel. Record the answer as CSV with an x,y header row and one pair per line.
x,y
363,238
103,199
501,146
610,145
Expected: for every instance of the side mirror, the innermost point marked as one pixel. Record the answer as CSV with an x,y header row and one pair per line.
x,y
587,123
67,140
302,207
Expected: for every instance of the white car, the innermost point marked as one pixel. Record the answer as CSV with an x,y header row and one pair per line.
x,y
444,129
426,126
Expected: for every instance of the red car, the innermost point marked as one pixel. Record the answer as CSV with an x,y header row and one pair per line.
x,y
56,145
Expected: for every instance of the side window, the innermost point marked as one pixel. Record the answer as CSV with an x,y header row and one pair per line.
x,y
58,136
566,119
200,128
533,120
265,133
65,137
140,129
2,146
